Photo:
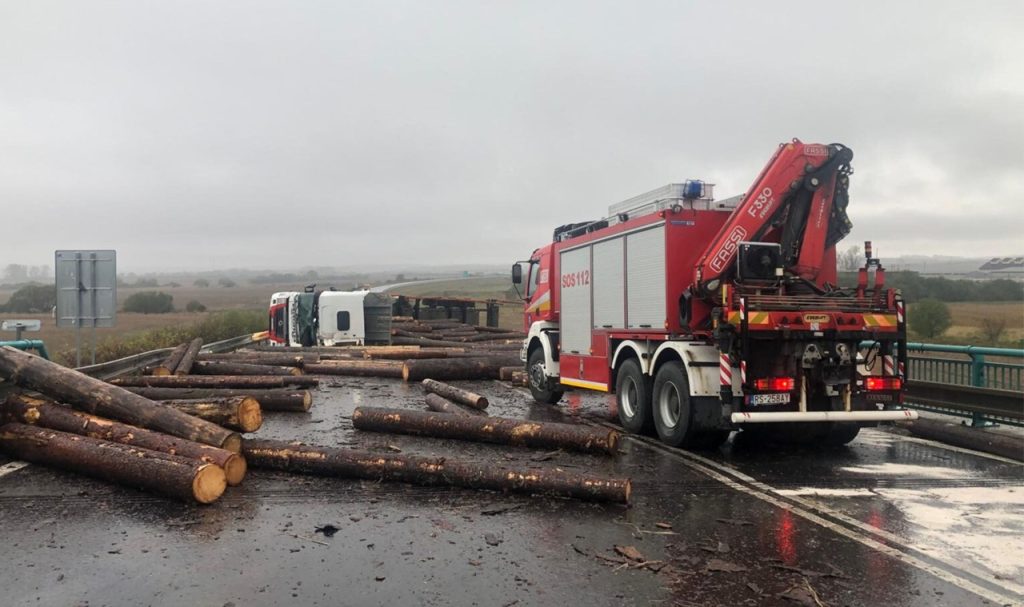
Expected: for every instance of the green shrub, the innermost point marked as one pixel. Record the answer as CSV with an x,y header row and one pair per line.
x,y
149,302
201,283
32,298
929,318
194,306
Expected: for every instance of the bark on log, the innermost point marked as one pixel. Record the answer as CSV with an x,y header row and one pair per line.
x,y
427,343
217,381
350,463
100,398
516,375
216,367
38,412
442,323
185,366
410,355
410,328
443,405
172,475
241,413
284,359
500,430
170,363
464,397
456,368
483,329
491,337
269,400
358,368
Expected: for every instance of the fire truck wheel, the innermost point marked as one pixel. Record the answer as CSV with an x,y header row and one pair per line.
x,y
841,434
540,385
672,412
633,394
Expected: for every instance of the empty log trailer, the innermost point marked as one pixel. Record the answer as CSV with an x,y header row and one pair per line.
x,y
704,316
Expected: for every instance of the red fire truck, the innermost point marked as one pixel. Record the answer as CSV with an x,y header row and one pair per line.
x,y
705,316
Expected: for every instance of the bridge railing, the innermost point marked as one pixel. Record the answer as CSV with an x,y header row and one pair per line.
x,y
966,366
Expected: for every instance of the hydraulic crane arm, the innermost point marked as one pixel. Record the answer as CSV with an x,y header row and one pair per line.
x,y
799,201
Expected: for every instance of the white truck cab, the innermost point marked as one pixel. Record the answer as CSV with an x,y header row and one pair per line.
x,y
329,318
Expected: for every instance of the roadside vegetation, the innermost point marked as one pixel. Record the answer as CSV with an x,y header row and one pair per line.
x,y
215,327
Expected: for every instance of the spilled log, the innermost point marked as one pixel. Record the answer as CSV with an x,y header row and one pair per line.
x,y
241,413
351,463
185,365
441,404
457,368
216,381
170,363
100,398
357,368
38,412
211,367
172,475
501,430
453,393
284,359
270,400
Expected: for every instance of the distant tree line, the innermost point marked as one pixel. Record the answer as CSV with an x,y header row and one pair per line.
x,y
917,288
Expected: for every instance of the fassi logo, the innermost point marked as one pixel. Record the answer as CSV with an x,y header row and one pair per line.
x,y
723,255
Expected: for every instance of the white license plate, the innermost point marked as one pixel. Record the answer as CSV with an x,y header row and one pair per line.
x,y
780,398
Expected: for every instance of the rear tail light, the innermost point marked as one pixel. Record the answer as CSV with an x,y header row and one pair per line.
x,y
878,384
775,384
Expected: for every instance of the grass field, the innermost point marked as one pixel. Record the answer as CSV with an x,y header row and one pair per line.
x,y
968,317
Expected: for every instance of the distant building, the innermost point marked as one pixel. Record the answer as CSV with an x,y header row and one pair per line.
x,y
1004,267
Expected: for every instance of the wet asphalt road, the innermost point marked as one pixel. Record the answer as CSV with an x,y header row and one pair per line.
x,y
890,520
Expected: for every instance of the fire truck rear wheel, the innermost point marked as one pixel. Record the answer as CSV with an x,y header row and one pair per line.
x,y
633,394
840,434
540,384
673,415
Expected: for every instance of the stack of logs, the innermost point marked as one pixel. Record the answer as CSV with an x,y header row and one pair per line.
x,y
87,426
175,429
454,413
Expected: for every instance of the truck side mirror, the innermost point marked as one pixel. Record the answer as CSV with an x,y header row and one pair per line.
x,y
517,274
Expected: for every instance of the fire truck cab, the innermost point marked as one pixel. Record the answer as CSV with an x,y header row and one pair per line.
x,y
706,315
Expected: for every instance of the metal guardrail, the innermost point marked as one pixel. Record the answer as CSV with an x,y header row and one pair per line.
x,y
968,367
137,362
961,381
983,405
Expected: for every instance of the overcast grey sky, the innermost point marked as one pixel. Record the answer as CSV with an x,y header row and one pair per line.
x,y
204,135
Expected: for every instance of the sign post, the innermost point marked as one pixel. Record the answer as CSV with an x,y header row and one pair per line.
x,y
86,293
18,326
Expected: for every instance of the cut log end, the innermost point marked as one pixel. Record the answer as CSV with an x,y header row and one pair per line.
x,y
235,469
209,483
233,443
296,371
161,371
405,372
250,415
